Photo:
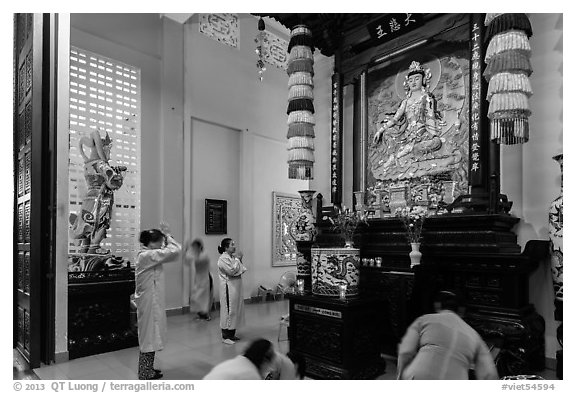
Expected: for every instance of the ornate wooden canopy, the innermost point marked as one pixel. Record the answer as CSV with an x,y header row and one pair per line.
x,y
332,31
327,29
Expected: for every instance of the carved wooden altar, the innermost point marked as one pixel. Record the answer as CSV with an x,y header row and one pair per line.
x,y
337,338
474,255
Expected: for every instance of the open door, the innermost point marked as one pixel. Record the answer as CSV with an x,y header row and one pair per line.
x,y
34,186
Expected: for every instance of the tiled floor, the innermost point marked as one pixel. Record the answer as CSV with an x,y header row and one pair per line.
x,y
192,349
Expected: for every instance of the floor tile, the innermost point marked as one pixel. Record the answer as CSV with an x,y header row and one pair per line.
x,y
50,372
192,349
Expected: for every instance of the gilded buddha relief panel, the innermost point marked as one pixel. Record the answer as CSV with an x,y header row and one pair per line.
x,y
418,125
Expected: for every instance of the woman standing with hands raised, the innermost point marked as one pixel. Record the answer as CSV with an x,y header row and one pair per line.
x,y
158,247
230,270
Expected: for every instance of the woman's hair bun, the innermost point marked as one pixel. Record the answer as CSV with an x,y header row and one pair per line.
x,y
150,235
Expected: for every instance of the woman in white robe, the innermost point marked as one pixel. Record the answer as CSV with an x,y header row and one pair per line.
x,y
254,363
230,270
443,346
202,285
157,248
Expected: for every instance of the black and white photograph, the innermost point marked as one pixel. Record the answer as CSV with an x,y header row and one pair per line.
x,y
287,196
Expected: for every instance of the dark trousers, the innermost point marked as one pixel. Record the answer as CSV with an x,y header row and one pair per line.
x,y
146,365
228,333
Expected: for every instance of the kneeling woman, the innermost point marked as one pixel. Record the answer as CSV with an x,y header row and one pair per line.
x,y
158,247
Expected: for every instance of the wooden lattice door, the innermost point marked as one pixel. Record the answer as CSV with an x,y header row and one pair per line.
x,y
33,188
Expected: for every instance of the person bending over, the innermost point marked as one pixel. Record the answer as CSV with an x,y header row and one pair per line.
x,y
443,346
254,363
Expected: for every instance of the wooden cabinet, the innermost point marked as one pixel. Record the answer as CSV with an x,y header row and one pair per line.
x,y
99,314
339,339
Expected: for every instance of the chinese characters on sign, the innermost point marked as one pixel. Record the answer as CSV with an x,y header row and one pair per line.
x,y
318,311
394,25
475,143
335,167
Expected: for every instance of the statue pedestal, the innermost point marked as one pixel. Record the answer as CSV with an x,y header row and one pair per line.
x,y
80,262
99,313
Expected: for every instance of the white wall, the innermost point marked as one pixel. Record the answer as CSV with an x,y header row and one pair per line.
x,y
62,147
215,175
222,87
530,177
171,150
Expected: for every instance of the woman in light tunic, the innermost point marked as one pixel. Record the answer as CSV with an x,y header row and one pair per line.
x,y
443,346
158,247
202,290
230,270
254,363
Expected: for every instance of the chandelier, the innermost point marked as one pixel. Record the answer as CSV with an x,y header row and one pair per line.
x,y
507,71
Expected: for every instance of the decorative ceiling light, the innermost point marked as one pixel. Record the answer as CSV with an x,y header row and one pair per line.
x,y
300,104
260,48
507,71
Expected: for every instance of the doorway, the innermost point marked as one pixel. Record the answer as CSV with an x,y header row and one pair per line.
x,y
214,173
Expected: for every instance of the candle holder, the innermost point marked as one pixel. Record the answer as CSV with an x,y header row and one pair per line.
x,y
343,288
300,286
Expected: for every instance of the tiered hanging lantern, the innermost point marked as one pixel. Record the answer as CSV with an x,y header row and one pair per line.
x,y
507,71
300,104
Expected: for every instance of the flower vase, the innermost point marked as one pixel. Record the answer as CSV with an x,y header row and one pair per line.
x,y
415,254
304,223
348,243
359,196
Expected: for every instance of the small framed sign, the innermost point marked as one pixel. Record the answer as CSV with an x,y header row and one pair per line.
x,y
215,215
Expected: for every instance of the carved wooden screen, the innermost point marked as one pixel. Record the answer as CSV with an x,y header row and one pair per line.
x,y
432,161
105,96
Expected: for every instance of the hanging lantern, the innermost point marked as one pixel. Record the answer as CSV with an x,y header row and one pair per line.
x,y
300,104
507,71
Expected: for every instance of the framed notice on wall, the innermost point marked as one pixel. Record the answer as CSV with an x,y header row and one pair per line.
x,y
215,217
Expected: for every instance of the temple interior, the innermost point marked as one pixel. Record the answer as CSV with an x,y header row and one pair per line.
x,y
361,163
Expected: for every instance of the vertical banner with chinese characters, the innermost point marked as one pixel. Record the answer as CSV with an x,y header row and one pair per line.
x,y
394,25
476,172
336,145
